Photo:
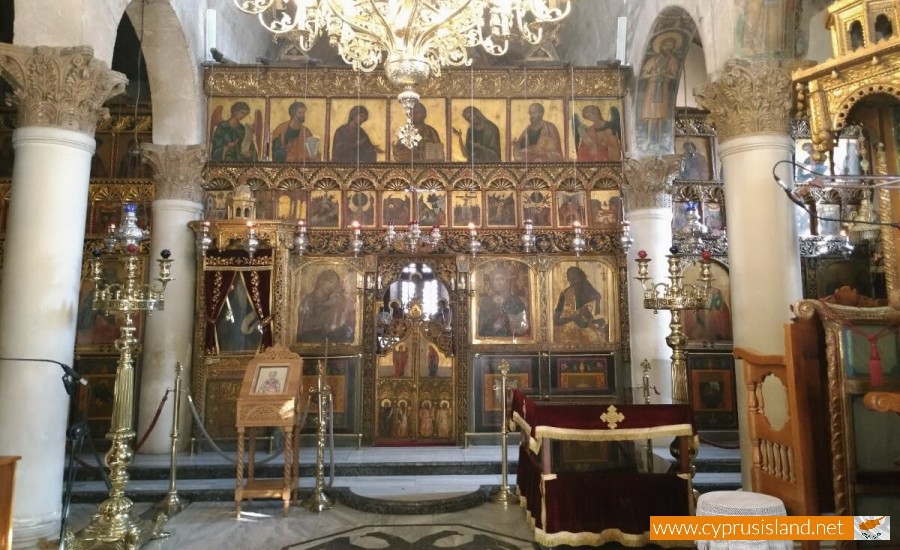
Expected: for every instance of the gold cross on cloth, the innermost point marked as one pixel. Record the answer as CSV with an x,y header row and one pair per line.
x,y
612,417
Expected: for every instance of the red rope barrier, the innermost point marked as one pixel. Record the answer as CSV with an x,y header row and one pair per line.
x,y
153,422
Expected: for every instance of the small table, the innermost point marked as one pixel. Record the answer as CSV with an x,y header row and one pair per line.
x,y
741,503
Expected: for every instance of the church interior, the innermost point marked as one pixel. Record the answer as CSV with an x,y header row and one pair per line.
x,y
519,274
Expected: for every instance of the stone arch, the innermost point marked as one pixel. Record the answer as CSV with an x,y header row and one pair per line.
x,y
177,97
662,63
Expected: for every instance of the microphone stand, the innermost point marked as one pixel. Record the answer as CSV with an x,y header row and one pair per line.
x,y
77,433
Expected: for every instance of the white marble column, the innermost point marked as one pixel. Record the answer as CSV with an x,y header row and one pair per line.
x,y
650,213
750,105
169,335
59,96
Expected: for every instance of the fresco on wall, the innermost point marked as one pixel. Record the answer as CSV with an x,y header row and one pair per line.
x,y
767,29
657,88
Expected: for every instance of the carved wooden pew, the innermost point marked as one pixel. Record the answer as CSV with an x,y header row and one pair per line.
x,y
596,507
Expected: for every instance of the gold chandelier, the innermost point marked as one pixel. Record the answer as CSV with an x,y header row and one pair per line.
x,y
413,38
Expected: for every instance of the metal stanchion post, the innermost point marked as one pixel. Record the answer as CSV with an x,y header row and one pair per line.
x,y
504,496
172,503
645,366
318,501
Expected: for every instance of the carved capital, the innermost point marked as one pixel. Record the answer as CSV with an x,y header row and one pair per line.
x,y
59,87
649,181
748,98
177,170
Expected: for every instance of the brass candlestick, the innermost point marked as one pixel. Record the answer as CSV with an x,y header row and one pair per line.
x,y
318,501
504,496
173,503
114,525
675,296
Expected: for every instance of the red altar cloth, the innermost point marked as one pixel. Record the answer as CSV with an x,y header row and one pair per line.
x,y
596,507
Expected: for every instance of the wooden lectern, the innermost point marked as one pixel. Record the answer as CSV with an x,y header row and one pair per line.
x,y
269,398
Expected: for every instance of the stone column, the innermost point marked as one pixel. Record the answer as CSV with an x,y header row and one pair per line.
x,y
750,105
649,197
177,174
59,93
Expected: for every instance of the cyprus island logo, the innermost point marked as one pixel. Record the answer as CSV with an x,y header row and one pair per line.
x,y
872,527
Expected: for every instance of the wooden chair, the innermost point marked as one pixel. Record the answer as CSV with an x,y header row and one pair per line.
x,y
7,484
883,401
783,458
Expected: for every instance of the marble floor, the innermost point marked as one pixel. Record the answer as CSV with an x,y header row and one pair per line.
x,y
261,525
213,525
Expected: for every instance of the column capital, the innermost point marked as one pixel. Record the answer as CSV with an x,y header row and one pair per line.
x,y
59,87
748,98
648,181
177,170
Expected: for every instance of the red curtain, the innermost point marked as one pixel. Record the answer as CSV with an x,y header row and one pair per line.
x,y
216,286
259,285
257,272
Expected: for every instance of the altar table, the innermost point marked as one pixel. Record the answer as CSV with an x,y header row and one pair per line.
x,y
596,507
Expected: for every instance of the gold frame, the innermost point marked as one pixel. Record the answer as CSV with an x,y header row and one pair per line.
x,y
835,319
490,268
558,270
301,277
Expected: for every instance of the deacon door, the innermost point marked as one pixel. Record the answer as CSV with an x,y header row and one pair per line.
x,y
414,389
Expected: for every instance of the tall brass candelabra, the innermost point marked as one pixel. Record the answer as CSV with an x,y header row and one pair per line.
x,y
505,495
114,525
676,297
318,501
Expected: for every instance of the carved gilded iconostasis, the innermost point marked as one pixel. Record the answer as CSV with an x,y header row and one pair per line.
x,y
414,334
852,103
